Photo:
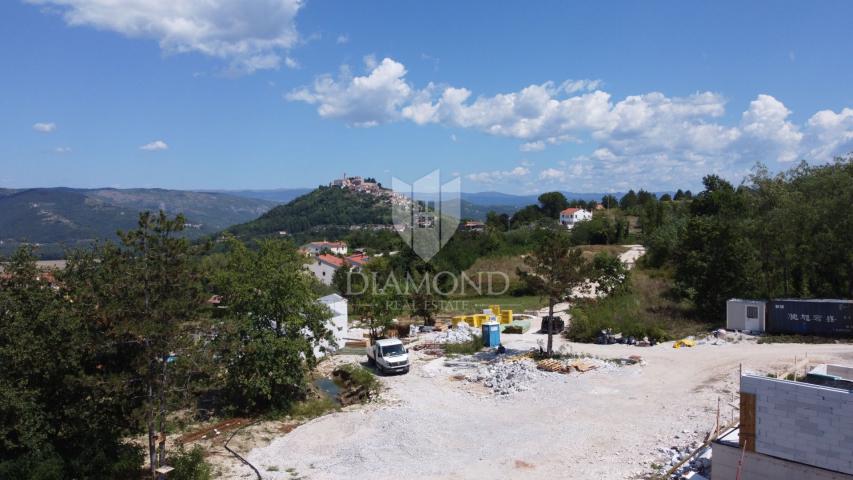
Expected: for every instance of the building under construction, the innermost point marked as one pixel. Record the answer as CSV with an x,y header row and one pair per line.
x,y
790,429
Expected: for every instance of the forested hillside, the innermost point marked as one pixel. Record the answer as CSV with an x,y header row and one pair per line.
x,y
324,207
56,218
785,235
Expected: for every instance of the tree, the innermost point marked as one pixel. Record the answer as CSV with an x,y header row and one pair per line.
x,y
146,293
628,200
555,271
609,201
552,203
273,325
424,303
665,198
715,260
610,273
526,216
61,414
497,222
679,195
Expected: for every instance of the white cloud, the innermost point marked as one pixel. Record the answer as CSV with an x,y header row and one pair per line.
x,y
251,35
650,137
155,146
536,146
497,176
291,63
552,174
360,101
830,134
62,150
342,39
44,127
766,123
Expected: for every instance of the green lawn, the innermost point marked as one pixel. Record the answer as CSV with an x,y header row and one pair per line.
x,y
469,305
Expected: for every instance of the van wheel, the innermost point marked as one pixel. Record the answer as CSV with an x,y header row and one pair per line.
x,y
371,361
380,369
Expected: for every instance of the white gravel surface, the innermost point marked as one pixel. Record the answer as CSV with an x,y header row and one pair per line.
x,y
601,424
447,419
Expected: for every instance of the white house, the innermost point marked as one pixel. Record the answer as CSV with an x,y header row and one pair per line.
x,y
338,324
324,267
315,248
570,216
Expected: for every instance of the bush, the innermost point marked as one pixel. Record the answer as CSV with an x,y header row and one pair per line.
x,y
312,408
515,329
646,309
190,465
359,376
466,348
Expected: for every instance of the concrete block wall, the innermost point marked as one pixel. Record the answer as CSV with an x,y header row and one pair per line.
x,y
805,423
725,461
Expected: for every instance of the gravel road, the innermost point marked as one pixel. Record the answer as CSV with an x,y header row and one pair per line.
x,y
609,423
601,424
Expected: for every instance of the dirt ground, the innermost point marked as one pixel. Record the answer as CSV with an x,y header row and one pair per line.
x,y
608,423
602,424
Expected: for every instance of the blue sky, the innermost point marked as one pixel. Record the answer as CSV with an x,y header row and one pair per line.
x,y
519,97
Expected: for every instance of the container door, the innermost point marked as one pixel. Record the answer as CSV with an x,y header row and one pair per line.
x,y
753,323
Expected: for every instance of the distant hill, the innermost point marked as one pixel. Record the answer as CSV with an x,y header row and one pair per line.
x,y
68,217
323,207
278,195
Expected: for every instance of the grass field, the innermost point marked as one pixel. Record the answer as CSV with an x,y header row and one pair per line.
x,y
469,305
509,265
648,309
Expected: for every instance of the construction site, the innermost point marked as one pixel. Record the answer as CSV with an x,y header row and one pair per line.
x,y
618,411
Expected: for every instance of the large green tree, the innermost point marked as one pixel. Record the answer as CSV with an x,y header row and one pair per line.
x,y
61,413
272,326
145,294
556,271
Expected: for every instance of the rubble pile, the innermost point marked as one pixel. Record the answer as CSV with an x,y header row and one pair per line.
x,y
505,378
699,465
460,334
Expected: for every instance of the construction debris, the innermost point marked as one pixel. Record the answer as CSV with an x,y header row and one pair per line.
x,y
461,334
505,378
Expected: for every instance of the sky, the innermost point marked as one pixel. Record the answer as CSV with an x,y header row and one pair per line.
x,y
518,97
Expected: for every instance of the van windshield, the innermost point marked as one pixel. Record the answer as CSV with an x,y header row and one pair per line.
x,y
392,350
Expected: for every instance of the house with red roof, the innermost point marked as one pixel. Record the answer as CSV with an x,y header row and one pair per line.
x,y
325,265
570,216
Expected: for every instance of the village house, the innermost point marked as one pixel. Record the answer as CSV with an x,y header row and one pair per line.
x,y
473,226
324,266
316,248
570,216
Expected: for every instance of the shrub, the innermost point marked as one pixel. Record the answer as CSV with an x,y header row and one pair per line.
x,y
466,348
646,308
513,329
312,408
190,465
359,376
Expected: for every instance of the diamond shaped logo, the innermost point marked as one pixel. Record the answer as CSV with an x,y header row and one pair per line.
x,y
426,213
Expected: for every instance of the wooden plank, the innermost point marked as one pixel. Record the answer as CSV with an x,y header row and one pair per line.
x,y
747,421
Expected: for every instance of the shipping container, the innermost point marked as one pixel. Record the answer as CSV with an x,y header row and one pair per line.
x,y
746,315
824,317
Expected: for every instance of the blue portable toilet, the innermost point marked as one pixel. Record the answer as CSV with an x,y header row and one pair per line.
x,y
491,334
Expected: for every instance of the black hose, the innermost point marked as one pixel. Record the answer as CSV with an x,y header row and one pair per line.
x,y
258,473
